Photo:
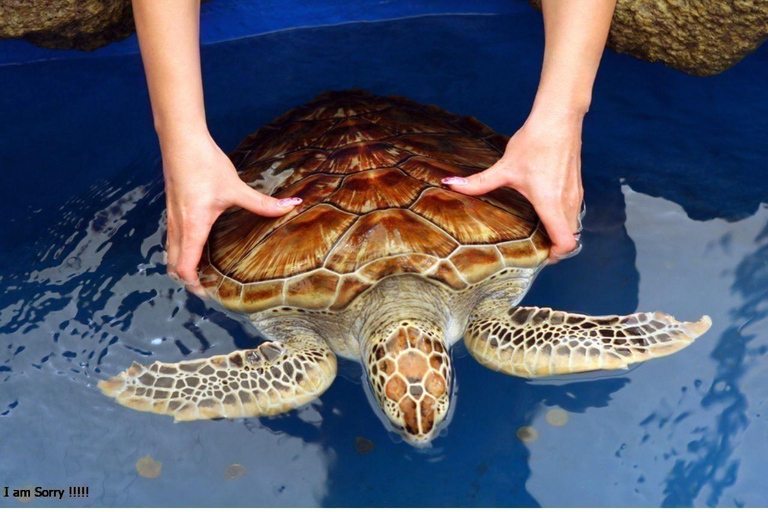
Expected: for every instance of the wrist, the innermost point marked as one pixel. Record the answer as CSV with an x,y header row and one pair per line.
x,y
173,121
181,134
559,109
565,100
555,120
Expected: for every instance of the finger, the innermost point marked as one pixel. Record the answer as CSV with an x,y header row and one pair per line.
x,y
172,244
480,183
265,205
193,237
561,233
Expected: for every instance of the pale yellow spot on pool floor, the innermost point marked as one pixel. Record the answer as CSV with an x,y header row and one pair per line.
x,y
557,417
149,467
27,496
527,434
234,472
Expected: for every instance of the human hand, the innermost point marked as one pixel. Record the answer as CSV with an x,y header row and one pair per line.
x,y
542,161
200,183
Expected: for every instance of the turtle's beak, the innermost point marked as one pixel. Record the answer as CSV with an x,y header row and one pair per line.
x,y
410,376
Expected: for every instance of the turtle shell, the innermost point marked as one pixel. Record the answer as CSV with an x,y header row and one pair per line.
x,y
368,169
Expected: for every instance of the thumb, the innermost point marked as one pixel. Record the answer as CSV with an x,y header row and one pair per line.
x,y
480,183
564,242
265,205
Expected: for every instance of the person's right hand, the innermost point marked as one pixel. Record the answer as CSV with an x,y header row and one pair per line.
x,y
200,183
542,161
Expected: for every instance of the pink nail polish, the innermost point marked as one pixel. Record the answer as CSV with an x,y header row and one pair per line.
x,y
289,201
454,180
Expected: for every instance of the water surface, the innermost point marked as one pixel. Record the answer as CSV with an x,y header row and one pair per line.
x,y
674,170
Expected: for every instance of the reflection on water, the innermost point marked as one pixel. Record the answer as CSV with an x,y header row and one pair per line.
x,y
669,227
703,474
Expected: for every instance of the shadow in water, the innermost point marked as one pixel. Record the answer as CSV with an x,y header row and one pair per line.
x,y
710,460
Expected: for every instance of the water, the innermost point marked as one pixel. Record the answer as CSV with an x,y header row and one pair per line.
x,y
674,170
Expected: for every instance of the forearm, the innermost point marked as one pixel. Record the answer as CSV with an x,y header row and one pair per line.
x,y
169,37
575,35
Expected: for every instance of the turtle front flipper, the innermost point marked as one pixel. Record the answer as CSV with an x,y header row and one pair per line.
x,y
537,342
270,379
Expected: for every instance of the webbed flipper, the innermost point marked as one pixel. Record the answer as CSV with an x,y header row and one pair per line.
x,y
536,342
270,379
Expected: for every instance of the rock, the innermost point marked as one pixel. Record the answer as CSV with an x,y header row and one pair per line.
x,y
699,37
67,24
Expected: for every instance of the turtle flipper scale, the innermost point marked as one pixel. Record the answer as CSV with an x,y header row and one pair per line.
x,y
270,379
536,342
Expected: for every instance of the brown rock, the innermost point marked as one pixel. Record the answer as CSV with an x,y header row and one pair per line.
x,y
66,24
699,37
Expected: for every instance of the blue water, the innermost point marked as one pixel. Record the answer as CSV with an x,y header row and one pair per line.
x,y
676,188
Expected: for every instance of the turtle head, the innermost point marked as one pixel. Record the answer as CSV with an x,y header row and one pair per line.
x,y
409,370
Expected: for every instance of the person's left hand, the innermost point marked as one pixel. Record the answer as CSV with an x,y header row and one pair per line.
x,y
543,162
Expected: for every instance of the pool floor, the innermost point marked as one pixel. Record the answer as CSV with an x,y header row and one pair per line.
x,y
677,220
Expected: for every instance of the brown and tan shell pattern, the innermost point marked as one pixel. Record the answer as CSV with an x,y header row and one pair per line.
x,y
368,169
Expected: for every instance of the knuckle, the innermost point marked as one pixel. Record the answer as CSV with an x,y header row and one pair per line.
x,y
264,201
564,247
187,275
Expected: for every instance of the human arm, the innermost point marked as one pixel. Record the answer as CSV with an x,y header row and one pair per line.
x,y
200,180
543,159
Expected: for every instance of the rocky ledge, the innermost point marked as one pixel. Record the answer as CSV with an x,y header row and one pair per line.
x,y
699,37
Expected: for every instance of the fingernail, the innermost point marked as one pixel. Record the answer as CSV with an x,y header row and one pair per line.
x,y
454,180
174,276
290,201
577,237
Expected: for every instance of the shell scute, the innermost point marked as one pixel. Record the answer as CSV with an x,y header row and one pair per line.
x,y
349,288
456,149
236,234
267,176
407,264
368,169
376,189
264,295
472,125
312,291
363,156
513,202
476,263
388,233
351,131
520,253
447,274
229,294
342,104
469,221
432,171
285,139
409,120
298,246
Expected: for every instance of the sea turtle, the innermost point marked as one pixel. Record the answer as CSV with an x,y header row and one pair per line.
x,y
383,265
